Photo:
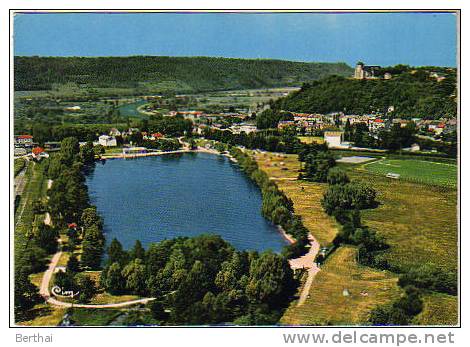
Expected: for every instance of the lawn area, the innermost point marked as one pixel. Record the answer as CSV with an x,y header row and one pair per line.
x,y
328,305
112,150
418,221
283,169
420,171
439,309
310,139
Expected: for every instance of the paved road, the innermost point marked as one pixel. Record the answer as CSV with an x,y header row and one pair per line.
x,y
307,262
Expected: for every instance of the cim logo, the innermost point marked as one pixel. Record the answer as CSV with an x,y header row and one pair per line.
x,y
58,291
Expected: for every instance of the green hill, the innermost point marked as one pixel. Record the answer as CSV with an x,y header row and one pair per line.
x,y
182,74
412,93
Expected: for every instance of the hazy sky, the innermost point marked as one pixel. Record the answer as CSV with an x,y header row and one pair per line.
x,y
375,38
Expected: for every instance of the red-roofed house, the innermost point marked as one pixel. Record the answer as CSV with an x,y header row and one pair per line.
x,y
37,150
25,140
72,225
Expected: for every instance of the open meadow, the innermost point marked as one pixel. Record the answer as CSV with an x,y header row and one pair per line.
x,y
418,221
420,171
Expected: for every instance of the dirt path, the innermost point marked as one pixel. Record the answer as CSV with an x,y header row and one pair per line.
x,y
307,262
56,302
44,288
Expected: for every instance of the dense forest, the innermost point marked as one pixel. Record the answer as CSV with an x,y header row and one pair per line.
x,y
193,74
411,93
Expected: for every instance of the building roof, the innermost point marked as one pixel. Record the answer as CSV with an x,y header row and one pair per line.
x,y
333,133
37,150
24,137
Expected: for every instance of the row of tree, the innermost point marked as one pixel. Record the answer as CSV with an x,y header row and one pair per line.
x,y
269,140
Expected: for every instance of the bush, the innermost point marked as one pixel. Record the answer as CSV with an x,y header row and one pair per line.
x,y
348,196
337,176
431,278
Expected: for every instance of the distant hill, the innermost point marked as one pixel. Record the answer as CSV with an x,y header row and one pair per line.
x,y
425,92
182,74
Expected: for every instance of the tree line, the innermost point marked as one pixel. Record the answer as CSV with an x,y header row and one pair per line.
x,y
68,203
268,140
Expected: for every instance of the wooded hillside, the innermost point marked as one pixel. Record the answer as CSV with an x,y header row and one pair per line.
x,y
182,74
412,94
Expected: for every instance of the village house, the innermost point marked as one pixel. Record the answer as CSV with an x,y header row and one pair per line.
x,y
23,140
376,125
114,132
333,138
245,128
285,124
107,141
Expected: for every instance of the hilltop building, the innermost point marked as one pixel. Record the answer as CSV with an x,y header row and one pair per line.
x,y
365,71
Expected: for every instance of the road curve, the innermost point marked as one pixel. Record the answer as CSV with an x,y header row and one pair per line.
x,y
45,293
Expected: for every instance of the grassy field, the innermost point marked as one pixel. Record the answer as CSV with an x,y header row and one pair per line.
x,y
311,139
327,304
439,309
420,171
283,169
418,221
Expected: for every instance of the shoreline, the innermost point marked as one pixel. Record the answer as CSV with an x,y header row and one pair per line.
x,y
153,154
285,235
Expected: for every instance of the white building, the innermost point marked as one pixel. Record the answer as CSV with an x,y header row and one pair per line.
x,y
246,128
333,138
107,141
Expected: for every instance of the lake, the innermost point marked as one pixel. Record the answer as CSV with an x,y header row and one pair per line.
x,y
155,198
